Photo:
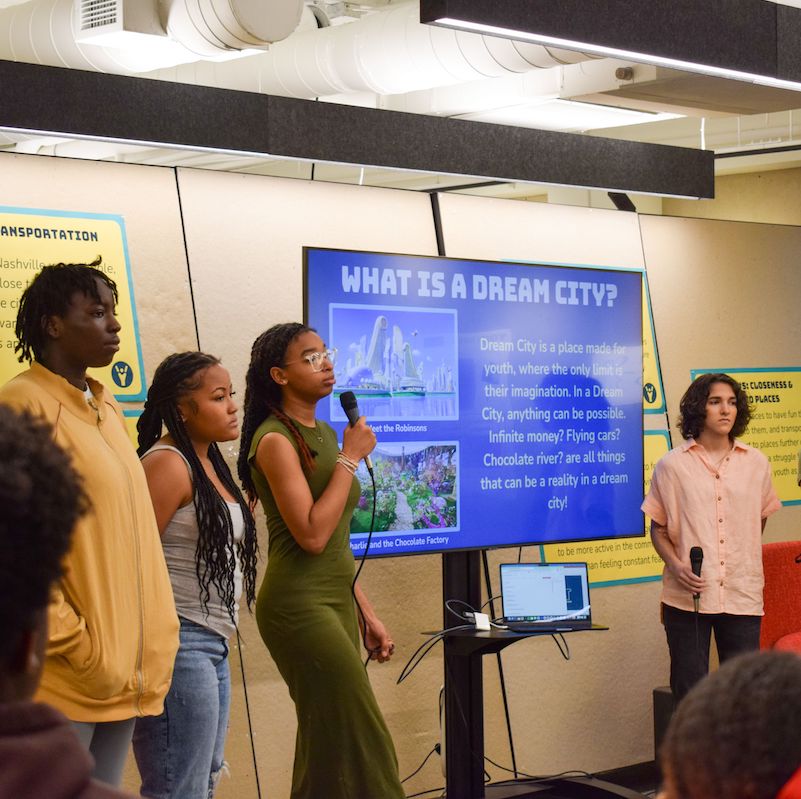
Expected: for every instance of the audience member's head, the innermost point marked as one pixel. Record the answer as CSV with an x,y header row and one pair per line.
x,y
735,735
40,500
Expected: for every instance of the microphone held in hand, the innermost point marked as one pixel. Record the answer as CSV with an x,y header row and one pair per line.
x,y
351,408
696,559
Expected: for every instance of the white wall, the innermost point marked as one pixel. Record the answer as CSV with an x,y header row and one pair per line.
x,y
723,293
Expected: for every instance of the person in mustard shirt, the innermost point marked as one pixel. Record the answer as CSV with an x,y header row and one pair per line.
x,y
41,497
113,629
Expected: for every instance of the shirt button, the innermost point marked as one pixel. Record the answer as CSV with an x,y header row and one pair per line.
x,y
720,498
721,540
717,477
720,520
721,563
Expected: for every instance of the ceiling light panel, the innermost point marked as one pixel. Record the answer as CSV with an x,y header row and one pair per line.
x,y
565,115
748,40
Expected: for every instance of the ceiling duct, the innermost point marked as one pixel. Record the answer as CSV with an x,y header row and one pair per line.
x,y
387,52
214,27
390,52
130,36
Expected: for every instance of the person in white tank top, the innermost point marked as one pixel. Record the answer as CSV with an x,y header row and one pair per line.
x,y
209,540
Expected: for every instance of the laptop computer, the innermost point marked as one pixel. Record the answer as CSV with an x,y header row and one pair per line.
x,y
549,597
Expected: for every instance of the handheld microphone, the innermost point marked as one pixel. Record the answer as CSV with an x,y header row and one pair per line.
x,y
347,399
696,559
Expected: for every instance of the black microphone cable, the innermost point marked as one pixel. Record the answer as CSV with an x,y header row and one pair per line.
x,y
350,406
435,750
359,571
696,562
425,648
440,791
468,614
521,777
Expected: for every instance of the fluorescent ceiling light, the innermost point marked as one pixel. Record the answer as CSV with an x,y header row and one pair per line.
x,y
135,111
65,137
612,52
565,115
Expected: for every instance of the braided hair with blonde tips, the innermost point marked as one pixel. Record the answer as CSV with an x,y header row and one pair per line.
x,y
263,396
175,377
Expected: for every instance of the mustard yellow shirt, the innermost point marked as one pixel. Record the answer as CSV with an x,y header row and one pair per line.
x,y
113,626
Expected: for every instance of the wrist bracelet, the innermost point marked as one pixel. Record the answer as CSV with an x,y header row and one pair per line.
x,y
342,456
347,463
346,467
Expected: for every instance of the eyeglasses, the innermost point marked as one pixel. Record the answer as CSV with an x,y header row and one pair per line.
x,y
316,359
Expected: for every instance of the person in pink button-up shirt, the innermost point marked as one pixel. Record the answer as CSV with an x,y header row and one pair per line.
x,y
712,492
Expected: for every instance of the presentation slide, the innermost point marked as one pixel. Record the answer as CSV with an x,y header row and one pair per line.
x,y
506,398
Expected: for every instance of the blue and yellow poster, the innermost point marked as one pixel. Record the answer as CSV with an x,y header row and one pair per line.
x,y
32,238
775,426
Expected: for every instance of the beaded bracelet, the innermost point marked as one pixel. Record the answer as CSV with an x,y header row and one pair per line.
x,y
344,460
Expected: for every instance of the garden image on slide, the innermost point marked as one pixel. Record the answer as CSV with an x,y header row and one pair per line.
x,y
415,489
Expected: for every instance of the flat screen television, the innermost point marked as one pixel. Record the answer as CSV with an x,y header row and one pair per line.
x,y
506,397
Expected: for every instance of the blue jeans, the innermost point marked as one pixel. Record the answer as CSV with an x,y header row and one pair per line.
x,y
180,752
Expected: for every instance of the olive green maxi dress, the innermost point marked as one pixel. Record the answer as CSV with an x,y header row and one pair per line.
x,y
306,616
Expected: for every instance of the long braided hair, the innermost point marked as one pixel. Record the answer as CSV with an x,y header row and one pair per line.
x,y
175,377
263,396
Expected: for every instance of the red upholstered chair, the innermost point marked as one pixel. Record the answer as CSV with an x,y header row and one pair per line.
x,y
781,625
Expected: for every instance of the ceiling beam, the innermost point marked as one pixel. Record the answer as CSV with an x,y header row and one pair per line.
x,y
91,105
752,37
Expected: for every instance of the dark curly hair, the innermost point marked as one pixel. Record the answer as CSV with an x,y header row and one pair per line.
x,y
263,396
49,294
174,378
692,409
735,734
41,498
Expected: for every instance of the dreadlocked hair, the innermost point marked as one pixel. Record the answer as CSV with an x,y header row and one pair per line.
x,y
174,378
49,294
263,396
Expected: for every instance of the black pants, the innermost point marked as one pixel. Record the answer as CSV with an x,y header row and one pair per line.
x,y
688,637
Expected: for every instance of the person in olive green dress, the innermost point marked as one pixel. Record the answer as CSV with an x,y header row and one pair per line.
x,y
305,610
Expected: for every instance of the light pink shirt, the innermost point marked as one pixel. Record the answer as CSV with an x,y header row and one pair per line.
x,y
721,510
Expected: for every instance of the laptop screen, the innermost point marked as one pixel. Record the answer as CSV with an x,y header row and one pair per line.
x,y
545,592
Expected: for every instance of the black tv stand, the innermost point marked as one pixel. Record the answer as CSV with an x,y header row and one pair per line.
x,y
464,705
